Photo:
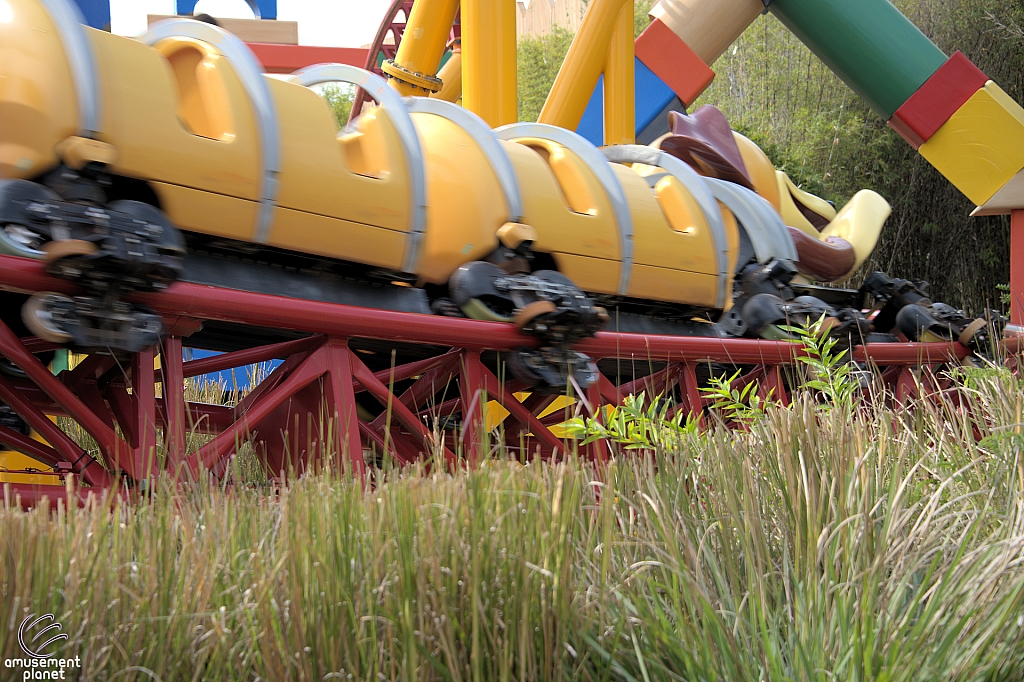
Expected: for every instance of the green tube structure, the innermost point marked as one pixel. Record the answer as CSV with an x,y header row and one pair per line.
x,y
876,50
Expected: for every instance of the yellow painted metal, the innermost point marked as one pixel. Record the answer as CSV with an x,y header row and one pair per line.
x,y
583,65
15,461
467,228
422,46
35,112
451,77
489,78
619,70
141,121
860,222
981,147
177,118
669,233
565,202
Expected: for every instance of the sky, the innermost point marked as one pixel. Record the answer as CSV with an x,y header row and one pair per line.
x,y
329,23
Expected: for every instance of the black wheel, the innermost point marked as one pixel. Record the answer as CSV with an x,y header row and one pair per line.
x,y
24,228
472,289
41,314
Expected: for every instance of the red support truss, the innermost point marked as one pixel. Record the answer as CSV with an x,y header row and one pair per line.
x,y
324,404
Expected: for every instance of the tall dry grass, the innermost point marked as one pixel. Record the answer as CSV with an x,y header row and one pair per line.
x,y
820,543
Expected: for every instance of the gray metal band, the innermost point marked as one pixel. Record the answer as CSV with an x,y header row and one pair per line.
x,y
69,22
763,224
378,89
589,154
695,185
485,138
250,73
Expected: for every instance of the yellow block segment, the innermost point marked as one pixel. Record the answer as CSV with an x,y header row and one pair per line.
x,y
981,147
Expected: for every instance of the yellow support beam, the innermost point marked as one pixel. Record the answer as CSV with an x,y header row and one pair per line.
x,y
451,76
414,68
583,64
489,79
619,85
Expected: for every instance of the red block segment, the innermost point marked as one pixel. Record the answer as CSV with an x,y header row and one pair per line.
x,y
287,58
940,97
905,132
672,60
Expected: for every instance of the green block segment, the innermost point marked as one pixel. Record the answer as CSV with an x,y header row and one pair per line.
x,y
876,50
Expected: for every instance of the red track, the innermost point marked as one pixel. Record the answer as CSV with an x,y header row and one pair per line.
x,y
306,410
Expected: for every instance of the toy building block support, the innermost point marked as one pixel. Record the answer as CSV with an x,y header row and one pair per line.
x,y
940,97
652,100
672,60
261,9
708,28
96,13
980,149
869,44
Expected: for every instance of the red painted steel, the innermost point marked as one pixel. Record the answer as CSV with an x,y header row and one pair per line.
x,y
277,58
312,407
1017,268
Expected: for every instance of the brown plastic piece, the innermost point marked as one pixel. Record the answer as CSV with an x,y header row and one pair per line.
x,y
532,311
67,248
827,260
704,140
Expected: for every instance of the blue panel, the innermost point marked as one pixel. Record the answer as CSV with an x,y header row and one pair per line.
x,y
592,124
262,9
229,379
96,13
651,96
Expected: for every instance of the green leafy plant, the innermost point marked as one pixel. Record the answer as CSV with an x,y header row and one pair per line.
x,y
737,405
830,372
638,424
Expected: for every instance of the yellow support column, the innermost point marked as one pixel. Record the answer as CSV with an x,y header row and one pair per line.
x,y
583,64
451,76
489,78
619,77
413,71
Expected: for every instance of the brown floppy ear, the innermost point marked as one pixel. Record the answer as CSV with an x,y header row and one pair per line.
x,y
704,140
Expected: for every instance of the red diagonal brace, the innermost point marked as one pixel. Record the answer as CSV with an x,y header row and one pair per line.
x,y
67,449
498,392
114,449
399,410
306,373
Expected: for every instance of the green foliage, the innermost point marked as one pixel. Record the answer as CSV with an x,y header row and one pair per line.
x,y
340,99
737,405
641,16
831,373
638,424
539,61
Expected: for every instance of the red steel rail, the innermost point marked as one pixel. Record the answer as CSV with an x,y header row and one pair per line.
x,y
307,410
